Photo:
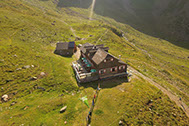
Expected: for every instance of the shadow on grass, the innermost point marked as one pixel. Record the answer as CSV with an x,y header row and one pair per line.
x,y
108,83
66,56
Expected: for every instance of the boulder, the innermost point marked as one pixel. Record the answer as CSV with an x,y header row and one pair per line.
x,y
26,67
2,60
63,109
5,98
13,103
33,78
42,74
18,69
8,80
120,123
65,122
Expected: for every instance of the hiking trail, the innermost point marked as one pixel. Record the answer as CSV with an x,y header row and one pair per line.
x,y
174,98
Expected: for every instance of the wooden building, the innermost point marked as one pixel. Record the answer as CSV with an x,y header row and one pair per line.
x,y
96,58
65,48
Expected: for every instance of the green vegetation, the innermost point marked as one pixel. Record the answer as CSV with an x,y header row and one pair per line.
x,y
164,19
29,31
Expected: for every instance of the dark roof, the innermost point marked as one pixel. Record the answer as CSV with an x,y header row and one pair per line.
x,y
65,45
71,45
84,46
99,56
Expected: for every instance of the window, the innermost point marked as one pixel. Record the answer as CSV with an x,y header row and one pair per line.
x,y
102,71
113,69
112,59
121,67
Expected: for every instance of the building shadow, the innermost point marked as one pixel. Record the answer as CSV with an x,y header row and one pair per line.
x,y
106,83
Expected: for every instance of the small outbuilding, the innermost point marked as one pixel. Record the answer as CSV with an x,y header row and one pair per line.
x,y
65,48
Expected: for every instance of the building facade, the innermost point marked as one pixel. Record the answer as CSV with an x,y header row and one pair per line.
x,y
99,63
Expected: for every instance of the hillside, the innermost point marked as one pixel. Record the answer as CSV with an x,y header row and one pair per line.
x,y
164,19
29,30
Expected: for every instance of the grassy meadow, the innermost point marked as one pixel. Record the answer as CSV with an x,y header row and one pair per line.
x,y
29,30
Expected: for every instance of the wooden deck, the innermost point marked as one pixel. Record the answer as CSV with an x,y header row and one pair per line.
x,y
82,75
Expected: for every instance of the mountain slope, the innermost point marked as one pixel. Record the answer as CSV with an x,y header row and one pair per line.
x,y
164,19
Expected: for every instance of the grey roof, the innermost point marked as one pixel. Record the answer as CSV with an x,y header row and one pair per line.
x,y
62,45
84,46
99,56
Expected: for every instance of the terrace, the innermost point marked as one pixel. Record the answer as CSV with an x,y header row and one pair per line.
x,y
84,71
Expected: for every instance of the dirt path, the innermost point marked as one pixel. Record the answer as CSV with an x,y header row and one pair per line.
x,y
71,28
174,98
136,46
77,54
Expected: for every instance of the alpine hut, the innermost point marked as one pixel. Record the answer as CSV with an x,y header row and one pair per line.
x,y
65,48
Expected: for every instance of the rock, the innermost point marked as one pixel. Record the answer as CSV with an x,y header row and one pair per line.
x,y
22,29
77,38
61,95
84,39
18,69
2,60
13,103
120,123
14,93
73,94
90,35
9,71
9,80
42,74
5,98
15,55
65,122
26,67
41,88
63,109
52,23
26,107
33,78
32,66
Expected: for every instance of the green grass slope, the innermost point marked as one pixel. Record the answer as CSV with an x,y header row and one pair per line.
x,y
164,19
29,31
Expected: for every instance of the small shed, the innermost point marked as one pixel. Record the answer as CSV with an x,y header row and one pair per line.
x,y
65,48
